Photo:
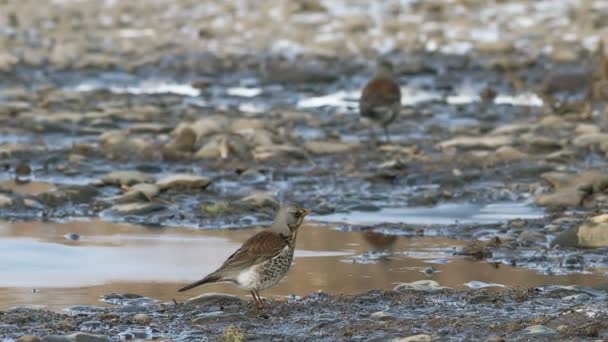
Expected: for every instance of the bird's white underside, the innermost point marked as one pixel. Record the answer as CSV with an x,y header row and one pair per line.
x,y
248,279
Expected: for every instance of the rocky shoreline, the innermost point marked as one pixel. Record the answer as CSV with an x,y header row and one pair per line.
x,y
421,311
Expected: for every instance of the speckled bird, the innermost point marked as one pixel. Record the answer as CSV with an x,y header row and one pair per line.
x,y
380,100
264,259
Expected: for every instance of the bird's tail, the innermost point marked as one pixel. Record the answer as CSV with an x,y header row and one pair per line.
x,y
212,278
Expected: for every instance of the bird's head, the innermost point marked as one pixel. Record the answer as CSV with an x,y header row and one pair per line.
x,y
289,218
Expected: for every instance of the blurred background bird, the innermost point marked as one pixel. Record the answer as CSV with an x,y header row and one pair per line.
x,y
380,100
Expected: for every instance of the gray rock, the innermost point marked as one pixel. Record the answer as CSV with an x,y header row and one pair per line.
x,y
57,338
420,285
217,316
210,299
382,316
142,318
539,330
137,208
88,337
126,178
138,192
261,200
183,181
29,338
328,147
491,141
414,338
563,198
5,201
591,234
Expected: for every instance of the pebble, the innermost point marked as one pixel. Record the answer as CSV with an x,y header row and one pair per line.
x,y
183,181
88,337
5,201
211,299
328,147
217,316
29,338
414,338
126,178
538,330
142,319
421,285
57,338
261,200
138,208
382,316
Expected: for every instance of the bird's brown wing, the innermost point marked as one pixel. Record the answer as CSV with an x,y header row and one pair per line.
x,y
380,92
262,246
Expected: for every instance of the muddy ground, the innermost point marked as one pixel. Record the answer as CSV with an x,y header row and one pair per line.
x,y
207,116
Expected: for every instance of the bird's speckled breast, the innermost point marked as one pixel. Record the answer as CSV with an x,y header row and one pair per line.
x,y
273,270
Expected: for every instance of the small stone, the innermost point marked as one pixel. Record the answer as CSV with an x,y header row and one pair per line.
x,y
183,181
328,147
382,316
590,140
138,208
216,209
420,285
414,338
261,200
126,178
494,141
213,317
565,198
509,153
142,319
184,141
57,338
211,299
72,237
88,337
495,339
5,201
562,328
138,192
539,330
29,338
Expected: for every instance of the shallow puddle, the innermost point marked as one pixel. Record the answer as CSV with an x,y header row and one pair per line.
x,y
57,265
442,214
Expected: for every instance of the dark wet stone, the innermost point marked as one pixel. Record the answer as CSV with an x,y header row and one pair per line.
x,y
131,308
142,319
29,338
57,338
138,208
539,330
364,207
567,238
218,316
72,237
86,309
88,337
73,194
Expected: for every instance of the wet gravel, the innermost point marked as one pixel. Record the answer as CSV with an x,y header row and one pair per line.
x,y
242,115
563,313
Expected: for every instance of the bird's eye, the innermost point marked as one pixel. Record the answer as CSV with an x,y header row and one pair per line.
x,y
298,214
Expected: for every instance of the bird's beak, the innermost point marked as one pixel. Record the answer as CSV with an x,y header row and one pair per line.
x,y
306,212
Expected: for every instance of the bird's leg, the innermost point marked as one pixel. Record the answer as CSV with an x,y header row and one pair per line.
x,y
255,299
260,303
